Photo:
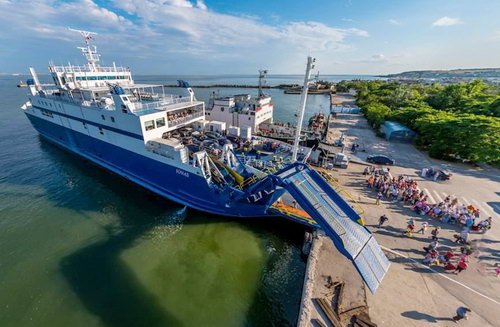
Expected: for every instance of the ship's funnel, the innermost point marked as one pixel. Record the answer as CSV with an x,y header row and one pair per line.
x,y
187,90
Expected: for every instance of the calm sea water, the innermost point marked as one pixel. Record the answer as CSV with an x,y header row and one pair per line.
x,y
82,247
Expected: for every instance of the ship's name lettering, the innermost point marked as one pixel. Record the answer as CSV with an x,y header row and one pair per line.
x,y
182,172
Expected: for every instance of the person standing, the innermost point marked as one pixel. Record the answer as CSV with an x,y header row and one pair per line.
x,y
423,228
435,233
379,196
382,220
461,314
410,227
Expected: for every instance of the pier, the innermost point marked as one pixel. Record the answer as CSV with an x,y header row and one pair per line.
x,y
333,294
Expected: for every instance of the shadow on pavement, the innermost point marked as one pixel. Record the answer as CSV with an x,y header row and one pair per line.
x,y
415,315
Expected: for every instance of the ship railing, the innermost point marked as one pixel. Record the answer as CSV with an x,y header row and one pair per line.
x,y
87,69
78,102
185,119
165,101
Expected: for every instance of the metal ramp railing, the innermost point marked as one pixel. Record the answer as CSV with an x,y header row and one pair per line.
x,y
339,221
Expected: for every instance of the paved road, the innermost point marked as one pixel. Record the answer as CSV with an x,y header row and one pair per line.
x,y
412,295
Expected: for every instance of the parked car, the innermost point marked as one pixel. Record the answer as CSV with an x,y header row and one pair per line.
x,y
341,160
436,173
380,159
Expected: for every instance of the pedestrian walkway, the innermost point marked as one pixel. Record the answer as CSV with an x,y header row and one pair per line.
x,y
437,197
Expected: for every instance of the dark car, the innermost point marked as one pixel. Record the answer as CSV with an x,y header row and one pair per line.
x,y
380,159
438,174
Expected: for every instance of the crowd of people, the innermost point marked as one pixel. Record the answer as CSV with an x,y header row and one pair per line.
x,y
405,190
178,116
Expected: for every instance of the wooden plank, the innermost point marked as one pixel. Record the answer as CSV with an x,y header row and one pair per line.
x,y
327,310
363,318
317,322
340,299
354,311
336,296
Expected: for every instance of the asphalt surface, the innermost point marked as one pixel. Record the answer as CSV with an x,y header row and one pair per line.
x,y
411,294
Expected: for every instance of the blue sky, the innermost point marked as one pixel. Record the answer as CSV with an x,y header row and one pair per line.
x,y
234,37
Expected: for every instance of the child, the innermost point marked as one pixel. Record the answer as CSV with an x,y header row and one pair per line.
x,y
462,265
423,228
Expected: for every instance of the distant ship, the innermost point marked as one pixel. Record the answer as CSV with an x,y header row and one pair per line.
x,y
162,142
310,136
316,88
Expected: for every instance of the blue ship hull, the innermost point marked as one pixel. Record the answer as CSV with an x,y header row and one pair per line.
x,y
329,211
181,187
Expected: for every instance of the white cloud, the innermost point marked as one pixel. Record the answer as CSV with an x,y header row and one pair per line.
x,y
201,4
394,22
173,31
376,58
447,21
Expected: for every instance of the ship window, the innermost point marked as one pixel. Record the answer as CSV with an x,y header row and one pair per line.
x,y
124,108
249,118
160,122
149,125
113,119
221,108
103,118
101,131
84,125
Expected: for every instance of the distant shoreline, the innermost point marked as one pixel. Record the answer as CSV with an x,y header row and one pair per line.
x,y
481,73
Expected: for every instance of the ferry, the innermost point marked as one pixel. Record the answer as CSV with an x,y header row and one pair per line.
x,y
159,141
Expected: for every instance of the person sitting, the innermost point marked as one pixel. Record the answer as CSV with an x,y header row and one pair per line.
x,y
459,239
431,247
466,249
462,219
431,258
462,265
485,224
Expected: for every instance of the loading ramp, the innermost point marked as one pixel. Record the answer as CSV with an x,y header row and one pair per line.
x,y
339,221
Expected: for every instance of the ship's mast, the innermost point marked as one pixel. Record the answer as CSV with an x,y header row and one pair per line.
x,y
262,81
302,108
89,51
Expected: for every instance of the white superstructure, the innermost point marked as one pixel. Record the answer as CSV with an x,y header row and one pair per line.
x,y
105,103
242,110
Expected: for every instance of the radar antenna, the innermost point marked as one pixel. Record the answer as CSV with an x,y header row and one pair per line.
x,y
90,51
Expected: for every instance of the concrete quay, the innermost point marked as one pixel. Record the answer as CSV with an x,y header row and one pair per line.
x,y
411,294
326,267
